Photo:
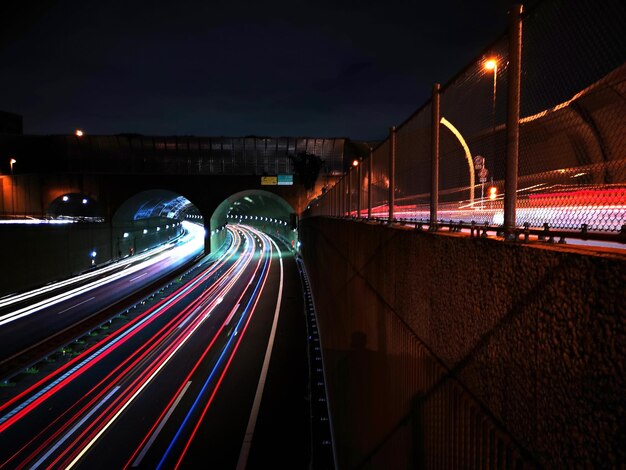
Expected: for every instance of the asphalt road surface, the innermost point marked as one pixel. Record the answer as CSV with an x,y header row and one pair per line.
x,y
212,374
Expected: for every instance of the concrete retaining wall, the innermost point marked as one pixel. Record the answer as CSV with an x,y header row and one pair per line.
x,y
535,336
33,255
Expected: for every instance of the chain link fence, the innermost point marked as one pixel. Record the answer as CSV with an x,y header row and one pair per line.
x,y
572,133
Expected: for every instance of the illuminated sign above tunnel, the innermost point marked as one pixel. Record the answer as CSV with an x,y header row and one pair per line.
x,y
277,180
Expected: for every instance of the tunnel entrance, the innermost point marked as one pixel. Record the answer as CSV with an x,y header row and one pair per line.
x,y
261,209
150,218
75,207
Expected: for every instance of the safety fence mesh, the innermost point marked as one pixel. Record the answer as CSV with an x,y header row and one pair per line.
x,y
572,132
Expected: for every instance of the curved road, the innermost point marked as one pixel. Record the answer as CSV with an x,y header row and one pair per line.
x,y
179,384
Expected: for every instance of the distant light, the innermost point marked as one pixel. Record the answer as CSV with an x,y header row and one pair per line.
x,y
13,161
355,162
84,201
167,226
93,254
158,229
145,230
125,234
65,198
493,192
490,64
79,133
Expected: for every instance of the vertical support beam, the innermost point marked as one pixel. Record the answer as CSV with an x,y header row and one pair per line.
x,y
392,171
349,175
340,197
434,156
370,164
512,120
344,196
358,191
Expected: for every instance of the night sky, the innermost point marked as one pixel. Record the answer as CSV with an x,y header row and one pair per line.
x,y
208,68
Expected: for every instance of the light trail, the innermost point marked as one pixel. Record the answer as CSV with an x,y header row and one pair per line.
x,y
191,232
180,253
67,439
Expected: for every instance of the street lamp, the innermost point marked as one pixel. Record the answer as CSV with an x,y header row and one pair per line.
x,y
492,64
12,162
79,133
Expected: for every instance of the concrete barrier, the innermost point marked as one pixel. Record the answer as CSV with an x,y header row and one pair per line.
x,y
443,348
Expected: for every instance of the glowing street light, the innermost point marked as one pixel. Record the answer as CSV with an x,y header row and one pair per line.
x,y
12,162
355,162
491,64
493,192
79,133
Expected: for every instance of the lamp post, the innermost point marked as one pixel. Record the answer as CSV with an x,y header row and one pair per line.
x,y
355,163
12,162
491,64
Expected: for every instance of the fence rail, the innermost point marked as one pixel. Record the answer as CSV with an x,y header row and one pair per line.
x,y
532,132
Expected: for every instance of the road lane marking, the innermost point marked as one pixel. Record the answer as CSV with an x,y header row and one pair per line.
x,y
79,303
247,440
137,277
160,427
73,430
232,314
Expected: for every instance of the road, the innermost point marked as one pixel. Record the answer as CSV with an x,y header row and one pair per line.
x,y
179,383
32,318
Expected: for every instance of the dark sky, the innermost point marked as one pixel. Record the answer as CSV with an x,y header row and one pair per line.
x,y
321,68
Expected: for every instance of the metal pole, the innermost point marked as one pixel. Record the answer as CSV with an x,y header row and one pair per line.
x,y
512,121
358,191
392,171
344,203
349,192
369,184
434,156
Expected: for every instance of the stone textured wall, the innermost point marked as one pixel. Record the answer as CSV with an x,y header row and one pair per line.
x,y
534,335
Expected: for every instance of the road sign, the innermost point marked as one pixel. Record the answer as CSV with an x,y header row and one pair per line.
x,y
285,180
483,173
269,180
479,162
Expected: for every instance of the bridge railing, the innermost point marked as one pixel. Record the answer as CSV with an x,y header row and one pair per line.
x,y
559,118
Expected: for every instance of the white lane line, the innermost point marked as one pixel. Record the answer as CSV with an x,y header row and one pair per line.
x,y
137,277
73,430
247,440
160,427
79,303
232,313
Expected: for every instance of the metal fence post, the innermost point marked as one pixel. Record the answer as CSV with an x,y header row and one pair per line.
x,y
369,184
512,121
434,156
392,171
349,175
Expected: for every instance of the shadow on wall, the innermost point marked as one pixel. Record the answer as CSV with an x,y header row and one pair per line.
x,y
423,369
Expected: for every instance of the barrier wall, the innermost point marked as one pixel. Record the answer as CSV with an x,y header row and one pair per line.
x,y
34,255
456,352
